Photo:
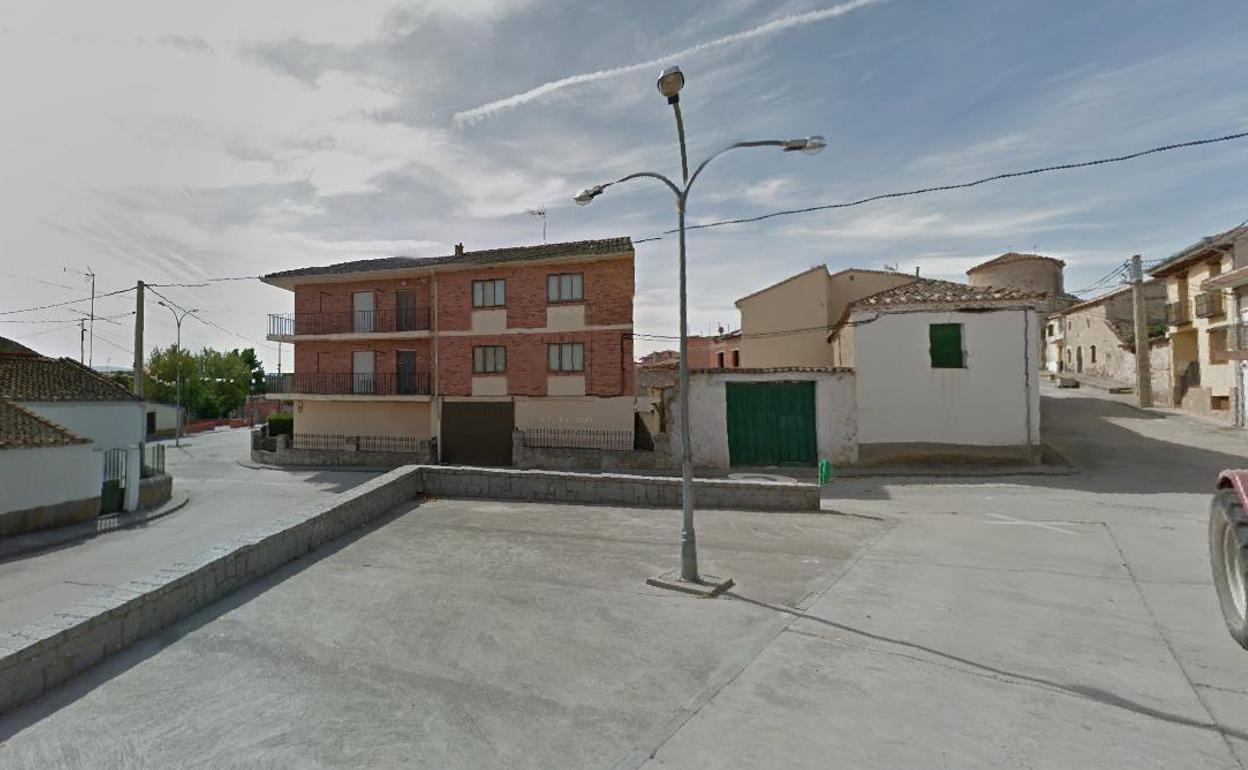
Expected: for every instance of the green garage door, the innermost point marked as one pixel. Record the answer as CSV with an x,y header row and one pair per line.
x,y
771,423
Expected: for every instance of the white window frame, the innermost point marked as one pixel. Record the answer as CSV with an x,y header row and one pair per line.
x,y
489,293
565,287
565,356
489,359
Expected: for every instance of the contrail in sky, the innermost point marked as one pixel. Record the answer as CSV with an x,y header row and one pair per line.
x,y
469,116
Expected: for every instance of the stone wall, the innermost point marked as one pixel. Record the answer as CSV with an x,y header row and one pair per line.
x,y
568,459
49,516
155,490
345,458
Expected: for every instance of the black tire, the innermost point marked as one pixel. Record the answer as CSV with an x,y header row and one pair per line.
x,y
1228,555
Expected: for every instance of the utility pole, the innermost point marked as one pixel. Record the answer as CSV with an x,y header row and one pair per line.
x,y
82,340
138,340
1143,375
90,275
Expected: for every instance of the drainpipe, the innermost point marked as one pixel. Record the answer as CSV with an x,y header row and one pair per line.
x,y
435,403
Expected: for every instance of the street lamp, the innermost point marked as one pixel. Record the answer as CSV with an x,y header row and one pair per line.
x,y
670,82
177,393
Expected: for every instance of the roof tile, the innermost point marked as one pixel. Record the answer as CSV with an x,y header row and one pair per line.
x,y
929,291
32,377
22,429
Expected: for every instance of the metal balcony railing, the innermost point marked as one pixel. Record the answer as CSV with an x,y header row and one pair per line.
x,y
1178,313
348,384
1237,337
336,442
348,322
1209,304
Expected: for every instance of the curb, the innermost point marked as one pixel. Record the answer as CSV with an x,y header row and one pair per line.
x,y
18,546
255,466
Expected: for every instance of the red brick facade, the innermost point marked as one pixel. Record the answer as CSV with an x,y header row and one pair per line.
x,y
608,301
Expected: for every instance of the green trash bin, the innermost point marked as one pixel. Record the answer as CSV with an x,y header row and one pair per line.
x,y
825,471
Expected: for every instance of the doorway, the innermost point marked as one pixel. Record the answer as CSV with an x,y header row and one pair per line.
x,y
362,311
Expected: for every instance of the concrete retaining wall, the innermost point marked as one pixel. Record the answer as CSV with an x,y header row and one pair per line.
x,y
49,516
155,490
616,489
45,654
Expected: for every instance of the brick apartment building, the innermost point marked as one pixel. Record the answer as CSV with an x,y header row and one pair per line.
x,y
465,348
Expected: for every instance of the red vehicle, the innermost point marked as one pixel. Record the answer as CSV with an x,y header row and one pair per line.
x,y
1228,550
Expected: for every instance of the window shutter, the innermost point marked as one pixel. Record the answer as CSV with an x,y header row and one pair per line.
x,y
946,346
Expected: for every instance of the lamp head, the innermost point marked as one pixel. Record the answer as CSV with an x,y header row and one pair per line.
x,y
671,80
811,145
586,196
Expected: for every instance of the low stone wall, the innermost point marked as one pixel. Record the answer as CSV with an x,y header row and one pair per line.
x,y
919,453
616,489
42,655
49,516
568,459
283,454
155,490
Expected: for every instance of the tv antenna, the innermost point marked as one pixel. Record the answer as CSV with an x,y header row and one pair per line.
x,y
539,212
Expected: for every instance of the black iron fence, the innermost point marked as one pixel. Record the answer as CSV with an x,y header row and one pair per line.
x,y
349,322
1209,304
154,460
1178,313
347,383
578,438
334,442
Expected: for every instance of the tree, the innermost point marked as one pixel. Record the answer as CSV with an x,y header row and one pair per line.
x,y
257,370
213,383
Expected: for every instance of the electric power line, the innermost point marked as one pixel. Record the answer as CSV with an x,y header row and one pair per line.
x,y
63,304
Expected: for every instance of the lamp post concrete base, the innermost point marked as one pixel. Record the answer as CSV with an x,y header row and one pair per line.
x,y
706,586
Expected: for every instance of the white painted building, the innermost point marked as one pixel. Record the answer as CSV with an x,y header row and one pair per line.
x,y
84,403
48,475
946,371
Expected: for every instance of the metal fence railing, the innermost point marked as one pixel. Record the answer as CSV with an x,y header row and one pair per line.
x,y
1178,313
339,443
154,460
347,383
1209,304
578,438
349,322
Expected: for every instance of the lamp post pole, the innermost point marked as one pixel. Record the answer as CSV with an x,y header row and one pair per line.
x,y
177,394
671,80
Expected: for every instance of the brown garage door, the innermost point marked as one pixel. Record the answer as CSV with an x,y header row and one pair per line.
x,y
477,433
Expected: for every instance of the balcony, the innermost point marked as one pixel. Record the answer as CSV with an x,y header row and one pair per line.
x,y
1237,338
285,327
1178,313
1209,304
348,384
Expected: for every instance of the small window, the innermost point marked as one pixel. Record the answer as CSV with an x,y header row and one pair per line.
x,y
719,359
492,293
1217,346
736,359
946,346
1092,352
566,357
489,359
567,287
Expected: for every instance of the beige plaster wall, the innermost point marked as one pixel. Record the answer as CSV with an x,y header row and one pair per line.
x,y
585,412
364,418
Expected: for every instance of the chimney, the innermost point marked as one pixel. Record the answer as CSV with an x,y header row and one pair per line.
x,y
459,249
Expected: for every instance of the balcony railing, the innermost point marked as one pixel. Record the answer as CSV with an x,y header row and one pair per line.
x,y
1237,337
348,384
578,438
338,443
1209,304
349,322
1178,313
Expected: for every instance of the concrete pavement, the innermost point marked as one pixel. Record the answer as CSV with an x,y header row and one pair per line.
x,y
226,500
1029,622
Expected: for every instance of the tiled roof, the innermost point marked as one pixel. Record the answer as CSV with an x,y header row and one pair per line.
x,y
1014,256
485,257
656,377
23,429
929,291
1198,248
38,378
10,348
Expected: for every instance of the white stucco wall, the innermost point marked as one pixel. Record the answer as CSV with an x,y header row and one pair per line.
x,y
990,402
109,425
166,415
835,417
49,475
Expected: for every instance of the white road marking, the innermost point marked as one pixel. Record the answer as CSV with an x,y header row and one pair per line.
x,y
1052,526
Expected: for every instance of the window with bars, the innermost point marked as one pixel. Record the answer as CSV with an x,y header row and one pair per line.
x,y
489,359
566,357
946,346
565,287
491,293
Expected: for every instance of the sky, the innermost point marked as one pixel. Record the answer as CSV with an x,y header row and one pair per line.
x,y
177,142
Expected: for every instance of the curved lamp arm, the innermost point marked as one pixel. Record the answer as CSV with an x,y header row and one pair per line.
x,y
584,197
810,145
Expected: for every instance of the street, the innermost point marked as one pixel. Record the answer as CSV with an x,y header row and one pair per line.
x,y
1029,621
226,500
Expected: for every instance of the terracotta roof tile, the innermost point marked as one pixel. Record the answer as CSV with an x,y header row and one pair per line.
x,y
1013,256
23,429
26,377
929,291
468,258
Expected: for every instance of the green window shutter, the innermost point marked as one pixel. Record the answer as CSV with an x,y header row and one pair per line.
x,y
946,346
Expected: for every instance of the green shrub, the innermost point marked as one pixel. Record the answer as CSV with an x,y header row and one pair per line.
x,y
282,424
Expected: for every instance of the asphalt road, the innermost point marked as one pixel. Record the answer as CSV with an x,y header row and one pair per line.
x,y
226,500
1022,622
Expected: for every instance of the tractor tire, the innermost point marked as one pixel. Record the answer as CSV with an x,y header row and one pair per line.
x,y
1228,555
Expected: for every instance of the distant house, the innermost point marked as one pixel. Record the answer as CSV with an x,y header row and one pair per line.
x,y
86,405
162,419
1026,272
1097,338
50,476
1199,325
